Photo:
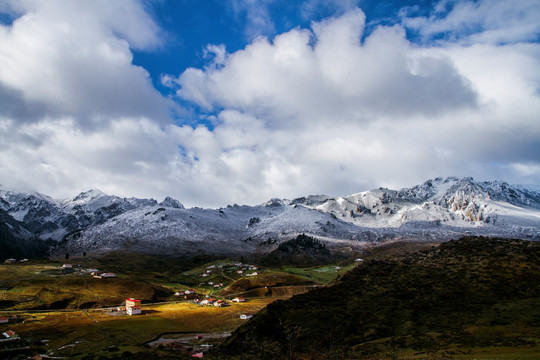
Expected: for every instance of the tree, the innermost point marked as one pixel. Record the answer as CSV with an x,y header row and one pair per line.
x,y
67,256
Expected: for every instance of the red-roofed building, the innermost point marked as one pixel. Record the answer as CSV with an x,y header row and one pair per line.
x,y
133,306
133,302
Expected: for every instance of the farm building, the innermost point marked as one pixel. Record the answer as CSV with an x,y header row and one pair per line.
x,y
246,316
133,306
108,275
238,299
133,303
9,334
67,269
8,319
133,310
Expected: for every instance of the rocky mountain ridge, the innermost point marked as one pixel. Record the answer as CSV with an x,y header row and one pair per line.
x,y
437,209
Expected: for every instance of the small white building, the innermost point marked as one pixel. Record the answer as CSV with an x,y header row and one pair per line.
x,y
238,299
136,310
246,316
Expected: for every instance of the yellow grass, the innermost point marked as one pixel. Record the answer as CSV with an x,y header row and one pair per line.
x,y
96,330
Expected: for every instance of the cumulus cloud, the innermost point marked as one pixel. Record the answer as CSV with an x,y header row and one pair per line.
x,y
327,73
324,109
74,59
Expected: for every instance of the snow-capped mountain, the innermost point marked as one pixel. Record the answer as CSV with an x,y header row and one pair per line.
x,y
48,218
452,201
438,209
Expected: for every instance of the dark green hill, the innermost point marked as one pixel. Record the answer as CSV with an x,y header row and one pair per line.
x,y
301,251
463,295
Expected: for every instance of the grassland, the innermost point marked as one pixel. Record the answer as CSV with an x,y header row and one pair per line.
x,y
81,333
70,312
320,274
472,298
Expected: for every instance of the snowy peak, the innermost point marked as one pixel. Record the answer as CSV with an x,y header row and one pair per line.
x,y
172,203
311,200
457,201
48,218
436,209
88,196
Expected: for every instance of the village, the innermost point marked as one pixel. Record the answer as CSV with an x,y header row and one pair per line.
x,y
120,303
207,282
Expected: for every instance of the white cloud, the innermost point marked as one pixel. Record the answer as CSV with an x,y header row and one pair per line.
x,y
483,21
310,8
322,112
308,111
257,16
74,58
307,76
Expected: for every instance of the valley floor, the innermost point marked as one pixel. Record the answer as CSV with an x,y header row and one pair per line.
x,y
82,334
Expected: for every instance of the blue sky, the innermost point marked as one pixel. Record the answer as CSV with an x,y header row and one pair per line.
x,y
221,102
188,27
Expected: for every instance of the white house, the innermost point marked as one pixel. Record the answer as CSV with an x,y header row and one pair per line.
x,y
133,310
246,316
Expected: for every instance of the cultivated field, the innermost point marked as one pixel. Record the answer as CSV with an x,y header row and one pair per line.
x,y
71,315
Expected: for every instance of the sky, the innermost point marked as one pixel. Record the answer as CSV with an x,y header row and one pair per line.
x,y
239,101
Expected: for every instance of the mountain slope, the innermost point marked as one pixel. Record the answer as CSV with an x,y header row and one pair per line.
x,y
17,242
48,218
459,202
437,209
475,292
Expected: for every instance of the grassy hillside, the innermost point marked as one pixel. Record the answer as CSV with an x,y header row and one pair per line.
x,y
475,297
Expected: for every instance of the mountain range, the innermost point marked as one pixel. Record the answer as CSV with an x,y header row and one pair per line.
x,y
439,209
